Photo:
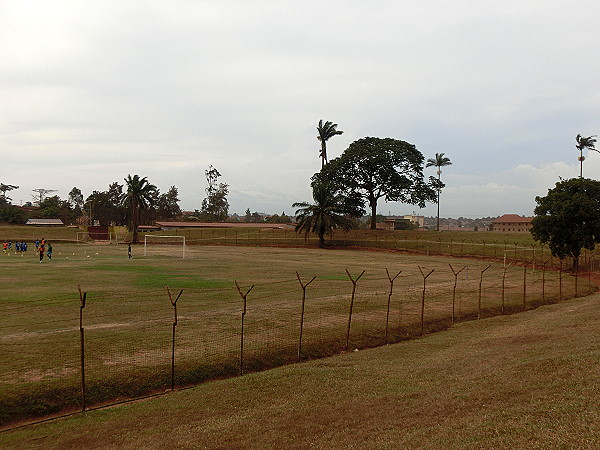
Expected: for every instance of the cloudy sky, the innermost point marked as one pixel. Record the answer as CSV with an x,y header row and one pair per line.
x,y
93,91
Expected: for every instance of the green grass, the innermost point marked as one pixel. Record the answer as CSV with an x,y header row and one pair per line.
x,y
529,380
128,316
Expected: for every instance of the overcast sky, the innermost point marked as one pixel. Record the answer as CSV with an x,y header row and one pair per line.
x,y
93,91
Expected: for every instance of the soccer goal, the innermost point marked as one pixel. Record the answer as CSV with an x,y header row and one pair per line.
x,y
83,237
164,245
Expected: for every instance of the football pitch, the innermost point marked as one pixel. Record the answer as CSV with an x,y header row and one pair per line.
x,y
128,318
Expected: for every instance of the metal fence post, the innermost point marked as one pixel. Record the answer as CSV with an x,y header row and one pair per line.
x,y
387,317
82,297
351,305
479,301
423,300
243,315
174,305
454,290
302,313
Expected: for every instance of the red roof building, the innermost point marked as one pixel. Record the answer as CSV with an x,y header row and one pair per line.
x,y
512,223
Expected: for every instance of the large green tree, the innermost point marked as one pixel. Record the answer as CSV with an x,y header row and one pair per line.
x,y
326,130
215,207
568,218
4,188
439,161
374,168
583,143
328,212
139,195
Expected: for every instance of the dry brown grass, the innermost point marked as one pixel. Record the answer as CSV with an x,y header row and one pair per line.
x,y
530,380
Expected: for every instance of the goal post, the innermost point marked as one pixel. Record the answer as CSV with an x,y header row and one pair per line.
x,y
164,240
83,236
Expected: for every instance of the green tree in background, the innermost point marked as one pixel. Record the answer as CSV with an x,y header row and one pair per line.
x,y
328,212
373,168
215,207
326,131
568,218
439,161
139,195
582,143
4,188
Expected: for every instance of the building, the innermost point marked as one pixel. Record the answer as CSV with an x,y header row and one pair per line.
x,y
46,222
165,225
512,223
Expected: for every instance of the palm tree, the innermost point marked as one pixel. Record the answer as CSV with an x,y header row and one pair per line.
x,y
326,130
584,142
327,213
439,161
140,195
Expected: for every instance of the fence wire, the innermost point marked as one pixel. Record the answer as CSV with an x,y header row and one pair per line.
x,y
135,344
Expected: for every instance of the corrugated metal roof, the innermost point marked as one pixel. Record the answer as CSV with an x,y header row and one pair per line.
x,y
44,222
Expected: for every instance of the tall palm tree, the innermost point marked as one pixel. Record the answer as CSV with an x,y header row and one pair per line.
x,y
439,161
140,195
326,130
584,142
327,213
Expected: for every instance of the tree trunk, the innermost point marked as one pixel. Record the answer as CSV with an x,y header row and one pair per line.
x,y
321,240
373,205
134,223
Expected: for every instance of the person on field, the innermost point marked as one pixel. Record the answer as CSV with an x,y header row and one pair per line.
x,y
37,244
18,246
49,251
24,246
4,246
129,250
42,250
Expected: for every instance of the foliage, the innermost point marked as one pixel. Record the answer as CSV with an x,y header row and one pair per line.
x,y
11,214
215,207
568,218
329,212
326,131
439,161
167,206
140,195
55,208
374,168
107,207
4,188
583,143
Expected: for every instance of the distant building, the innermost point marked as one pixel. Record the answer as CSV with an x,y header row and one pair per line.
x,y
417,220
165,225
512,223
46,222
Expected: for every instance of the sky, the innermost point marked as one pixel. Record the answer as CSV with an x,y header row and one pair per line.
x,y
93,91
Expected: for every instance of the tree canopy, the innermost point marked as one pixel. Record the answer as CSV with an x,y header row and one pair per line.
x,y
373,168
328,212
215,207
568,218
140,195
326,131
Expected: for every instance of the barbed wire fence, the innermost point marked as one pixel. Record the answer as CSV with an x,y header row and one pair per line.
x,y
126,345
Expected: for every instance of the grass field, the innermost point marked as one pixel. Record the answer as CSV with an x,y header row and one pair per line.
x,y
512,246
128,316
528,381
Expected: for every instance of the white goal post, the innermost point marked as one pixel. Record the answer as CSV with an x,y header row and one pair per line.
x,y
162,240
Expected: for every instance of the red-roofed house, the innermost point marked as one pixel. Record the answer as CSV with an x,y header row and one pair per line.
x,y
512,223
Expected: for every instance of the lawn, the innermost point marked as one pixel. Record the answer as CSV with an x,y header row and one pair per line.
x,y
529,380
128,316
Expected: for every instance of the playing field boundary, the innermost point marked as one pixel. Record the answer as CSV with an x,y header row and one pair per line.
x,y
121,345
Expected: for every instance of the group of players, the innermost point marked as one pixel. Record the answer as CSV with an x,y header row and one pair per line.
x,y
21,247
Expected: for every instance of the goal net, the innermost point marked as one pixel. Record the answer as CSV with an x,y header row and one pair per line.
x,y
83,237
164,245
